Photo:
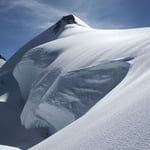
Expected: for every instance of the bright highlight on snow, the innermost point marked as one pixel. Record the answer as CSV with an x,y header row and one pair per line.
x,y
3,98
88,84
2,147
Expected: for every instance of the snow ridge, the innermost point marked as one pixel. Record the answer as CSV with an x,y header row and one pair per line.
x,y
70,19
100,78
54,32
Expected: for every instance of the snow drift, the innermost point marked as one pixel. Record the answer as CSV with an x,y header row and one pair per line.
x,y
3,147
71,67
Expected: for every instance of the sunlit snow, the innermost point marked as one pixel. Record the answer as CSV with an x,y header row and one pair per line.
x,y
3,98
92,84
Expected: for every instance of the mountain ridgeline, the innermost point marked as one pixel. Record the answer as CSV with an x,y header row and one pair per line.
x,y
75,81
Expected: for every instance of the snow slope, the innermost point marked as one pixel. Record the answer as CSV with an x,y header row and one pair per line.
x,y
3,147
71,67
48,35
12,132
121,119
56,70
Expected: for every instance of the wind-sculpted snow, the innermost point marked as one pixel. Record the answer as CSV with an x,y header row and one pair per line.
x,y
95,83
47,36
12,99
119,121
71,95
71,74
3,147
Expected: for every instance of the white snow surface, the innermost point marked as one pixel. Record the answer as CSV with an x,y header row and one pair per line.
x,y
121,119
3,98
66,73
4,147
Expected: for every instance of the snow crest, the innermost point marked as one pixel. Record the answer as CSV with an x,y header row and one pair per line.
x,y
100,78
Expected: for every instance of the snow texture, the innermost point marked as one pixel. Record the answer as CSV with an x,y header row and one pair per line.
x,y
3,147
92,83
120,120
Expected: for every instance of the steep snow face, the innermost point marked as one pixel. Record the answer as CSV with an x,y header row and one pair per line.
x,y
12,101
71,94
119,116
69,68
69,22
119,121
69,75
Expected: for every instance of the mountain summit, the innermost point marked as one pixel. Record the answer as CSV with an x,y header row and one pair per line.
x,y
66,26
69,19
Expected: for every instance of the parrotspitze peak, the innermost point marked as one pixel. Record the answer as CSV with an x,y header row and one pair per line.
x,y
69,19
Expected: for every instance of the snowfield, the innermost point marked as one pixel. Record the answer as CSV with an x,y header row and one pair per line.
x,y
3,147
92,84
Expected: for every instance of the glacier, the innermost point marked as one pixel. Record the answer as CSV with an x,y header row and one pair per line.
x,y
61,77
88,86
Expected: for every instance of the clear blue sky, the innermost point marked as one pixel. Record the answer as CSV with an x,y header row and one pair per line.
x,y
21,20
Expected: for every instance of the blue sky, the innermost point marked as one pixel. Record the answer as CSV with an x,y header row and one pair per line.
x,y
21,20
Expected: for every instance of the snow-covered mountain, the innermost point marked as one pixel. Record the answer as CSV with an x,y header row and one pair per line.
x,y
58,76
